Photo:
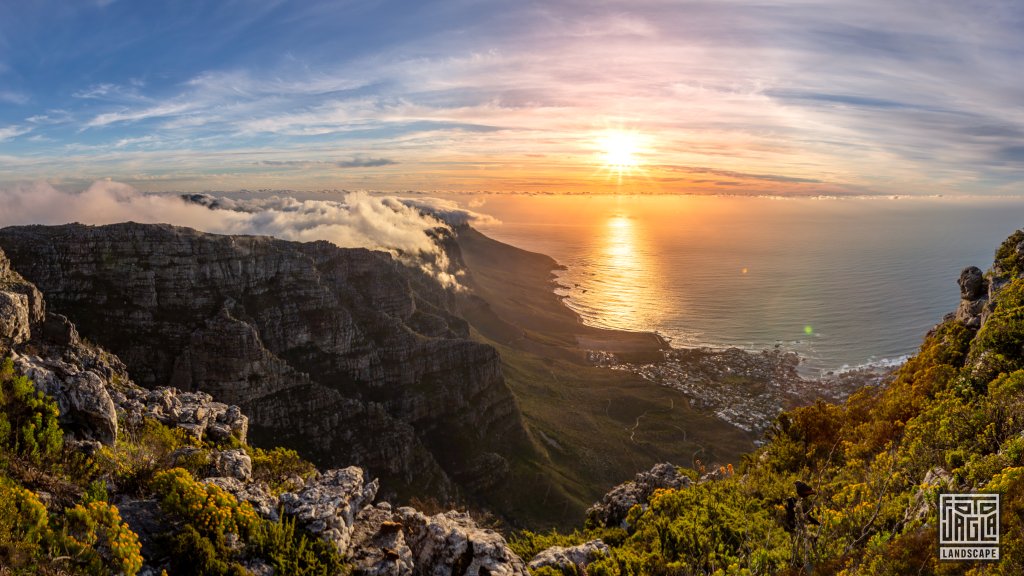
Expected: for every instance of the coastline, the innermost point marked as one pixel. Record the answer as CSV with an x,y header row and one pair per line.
x,y
519,307
590,426
534,310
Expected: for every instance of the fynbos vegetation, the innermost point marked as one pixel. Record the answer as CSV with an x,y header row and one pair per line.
x,y
951,419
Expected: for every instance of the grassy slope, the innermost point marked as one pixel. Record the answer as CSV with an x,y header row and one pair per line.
x,y
583,420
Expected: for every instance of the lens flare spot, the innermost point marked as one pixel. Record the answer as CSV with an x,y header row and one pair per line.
x,y
808,330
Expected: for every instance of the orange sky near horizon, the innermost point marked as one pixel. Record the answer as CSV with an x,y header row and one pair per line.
x,y
732,97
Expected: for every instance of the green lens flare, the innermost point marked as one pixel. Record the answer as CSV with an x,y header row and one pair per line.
x,y
808,330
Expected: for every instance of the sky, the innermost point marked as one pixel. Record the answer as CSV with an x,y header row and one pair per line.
x,y
643,96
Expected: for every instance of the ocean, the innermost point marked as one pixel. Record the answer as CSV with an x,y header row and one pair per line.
x,y
843,282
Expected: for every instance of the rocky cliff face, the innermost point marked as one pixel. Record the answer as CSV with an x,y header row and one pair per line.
x,y
344,354
95,393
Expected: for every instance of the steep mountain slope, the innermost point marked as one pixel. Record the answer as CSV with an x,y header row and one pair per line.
x,y
101,476
343,354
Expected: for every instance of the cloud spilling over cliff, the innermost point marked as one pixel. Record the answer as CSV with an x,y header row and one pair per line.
x,y
356,219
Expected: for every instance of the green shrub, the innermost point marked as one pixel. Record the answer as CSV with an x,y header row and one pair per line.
x,y
699,530
1007,260
214,519
96,491
291,552
139,454
527,544
997,347
90,538
192,554
28,419
212,511
276,465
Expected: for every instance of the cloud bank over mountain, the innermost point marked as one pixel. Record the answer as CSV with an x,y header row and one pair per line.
x,y
400,226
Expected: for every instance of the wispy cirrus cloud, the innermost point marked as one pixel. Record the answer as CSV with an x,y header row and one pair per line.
x,y
862,95
365,163
9,132
358,162
165,110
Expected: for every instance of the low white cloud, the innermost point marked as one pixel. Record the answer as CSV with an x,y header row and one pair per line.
x,y
400,226
448,211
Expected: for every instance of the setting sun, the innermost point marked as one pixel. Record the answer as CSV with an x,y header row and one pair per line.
x,y
620,151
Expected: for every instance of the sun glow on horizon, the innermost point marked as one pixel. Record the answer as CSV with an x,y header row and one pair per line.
x,y
621,152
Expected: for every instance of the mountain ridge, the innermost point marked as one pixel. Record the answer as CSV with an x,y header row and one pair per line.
x,y
315,342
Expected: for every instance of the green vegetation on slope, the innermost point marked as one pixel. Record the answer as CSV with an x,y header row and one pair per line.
x,y
594,427
206,530
952,419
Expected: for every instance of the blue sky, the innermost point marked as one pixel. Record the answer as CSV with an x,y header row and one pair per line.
x,y
747,97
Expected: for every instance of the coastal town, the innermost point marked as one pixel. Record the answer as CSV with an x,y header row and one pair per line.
x,y
746,389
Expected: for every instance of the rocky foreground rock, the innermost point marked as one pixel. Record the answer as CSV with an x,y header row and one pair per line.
x,y
569,558
612,509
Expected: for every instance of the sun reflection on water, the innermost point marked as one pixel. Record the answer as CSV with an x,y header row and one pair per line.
x,y
626,276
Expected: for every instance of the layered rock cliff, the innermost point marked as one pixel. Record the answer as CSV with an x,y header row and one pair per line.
x,y
95,395
344,354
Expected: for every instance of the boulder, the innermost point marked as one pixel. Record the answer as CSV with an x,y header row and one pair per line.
x,y
233,464
612,509
973,297
195,412
14,319
57,329
21,306
972,283
451,544
256,493
565,559
86,408
147,520
378,544
922,506
328,504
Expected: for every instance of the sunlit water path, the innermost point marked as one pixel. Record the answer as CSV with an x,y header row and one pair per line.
x,y
843,282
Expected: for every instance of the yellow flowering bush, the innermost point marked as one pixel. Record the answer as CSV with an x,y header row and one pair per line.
x,y
219,530
96,538
208,508
24,525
